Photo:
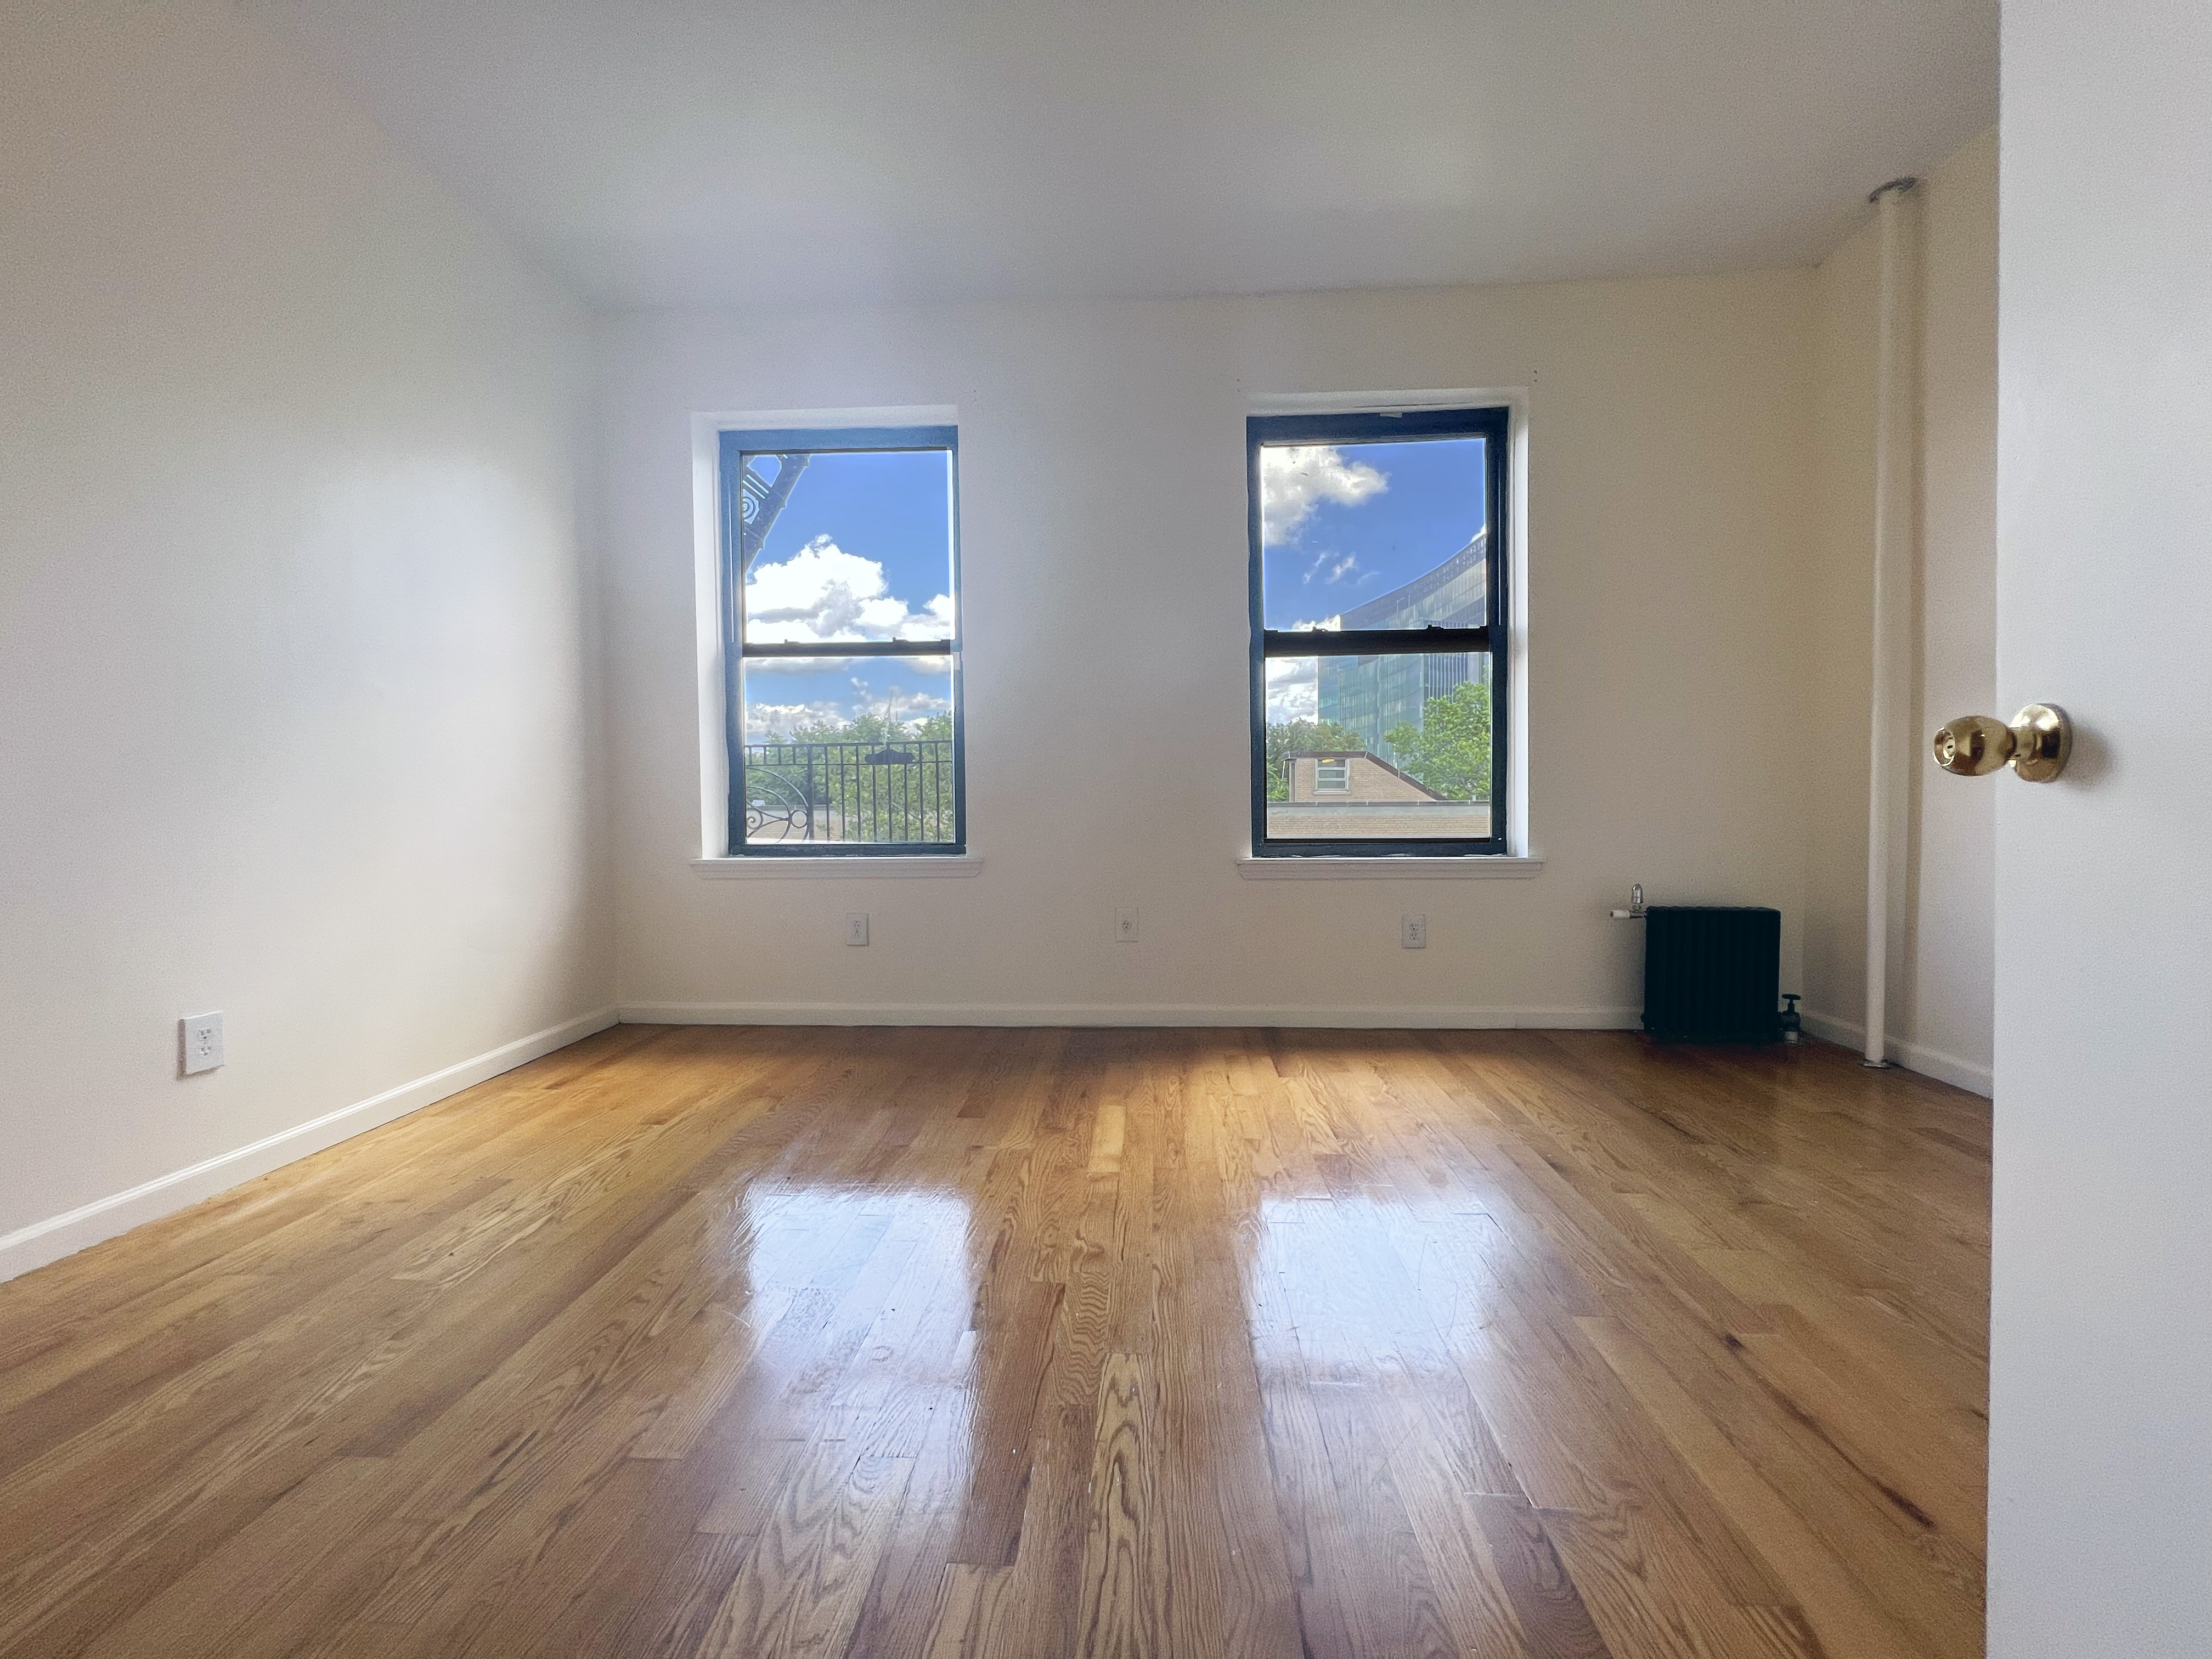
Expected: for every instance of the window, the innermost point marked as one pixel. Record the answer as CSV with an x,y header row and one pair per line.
x,y
841,630
1378,558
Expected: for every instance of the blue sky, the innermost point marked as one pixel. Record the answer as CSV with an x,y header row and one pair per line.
x,y
1342,524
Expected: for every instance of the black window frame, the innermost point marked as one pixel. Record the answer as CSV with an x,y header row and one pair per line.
x,y
1494,425
735,445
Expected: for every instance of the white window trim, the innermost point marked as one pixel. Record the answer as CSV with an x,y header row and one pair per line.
x,y
706,431
876,867
1488,866
1519,819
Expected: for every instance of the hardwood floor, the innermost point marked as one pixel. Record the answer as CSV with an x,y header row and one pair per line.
x,y
961,1344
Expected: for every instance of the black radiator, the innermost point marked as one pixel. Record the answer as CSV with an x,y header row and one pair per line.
x,y
1712,975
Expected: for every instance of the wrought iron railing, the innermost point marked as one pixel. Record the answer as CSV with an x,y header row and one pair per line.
x,y
899,792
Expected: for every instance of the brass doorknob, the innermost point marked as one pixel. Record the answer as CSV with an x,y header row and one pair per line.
x,y
2035,745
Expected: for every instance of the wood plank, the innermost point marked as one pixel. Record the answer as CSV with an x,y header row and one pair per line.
x,y
798,1590
1835,1606
1122,1614
967,1610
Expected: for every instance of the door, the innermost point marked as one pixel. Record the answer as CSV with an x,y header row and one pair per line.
x,y
2100,1481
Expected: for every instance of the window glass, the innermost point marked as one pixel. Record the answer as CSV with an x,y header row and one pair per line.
x,y
1394,748
1375,535
860,548
847,753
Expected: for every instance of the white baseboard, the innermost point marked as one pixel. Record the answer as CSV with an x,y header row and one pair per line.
x,y
1913,1056
1117,1013
64,1234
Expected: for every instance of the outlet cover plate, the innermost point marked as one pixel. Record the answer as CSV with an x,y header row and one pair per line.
x,y
200,1039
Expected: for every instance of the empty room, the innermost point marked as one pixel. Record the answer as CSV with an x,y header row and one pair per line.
x,y
980,830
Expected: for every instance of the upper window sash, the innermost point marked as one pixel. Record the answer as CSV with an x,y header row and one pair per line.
x,y
1493,425
737,445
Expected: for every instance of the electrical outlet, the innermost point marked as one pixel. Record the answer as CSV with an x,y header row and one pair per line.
x,y
200,1040
1413,933
856,928
1124,924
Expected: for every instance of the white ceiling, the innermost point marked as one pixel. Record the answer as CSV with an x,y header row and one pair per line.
x,y
673,152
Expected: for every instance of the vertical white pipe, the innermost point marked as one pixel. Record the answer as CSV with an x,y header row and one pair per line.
x,y
1894,564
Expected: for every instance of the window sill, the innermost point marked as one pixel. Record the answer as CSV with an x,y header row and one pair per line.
x,y
1470,868
840,868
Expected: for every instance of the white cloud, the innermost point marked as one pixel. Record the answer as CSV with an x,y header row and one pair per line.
x,y
823,593
907,708
1296,478
1293,689
770,721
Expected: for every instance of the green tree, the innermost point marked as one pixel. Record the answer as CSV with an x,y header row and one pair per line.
x,y
1288,737
1449,750
873,773
872,728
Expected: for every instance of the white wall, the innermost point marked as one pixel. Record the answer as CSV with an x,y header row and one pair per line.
x,y
2100,1385
1104,558
1940,973
294,649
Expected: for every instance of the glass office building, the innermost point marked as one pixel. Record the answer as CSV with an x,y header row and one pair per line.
x,y
1375,695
